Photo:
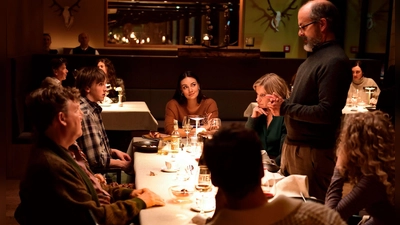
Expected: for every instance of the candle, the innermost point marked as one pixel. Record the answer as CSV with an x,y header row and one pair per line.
x,y
250,41
163,39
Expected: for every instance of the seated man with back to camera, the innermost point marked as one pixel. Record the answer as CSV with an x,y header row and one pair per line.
x,y
94,141
233,156
55,181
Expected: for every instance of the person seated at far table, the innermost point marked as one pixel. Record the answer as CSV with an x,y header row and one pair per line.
x,y
366,157
359,82
233,156
94,141
188,100
107,66
84,47
265,118
55,189
47,43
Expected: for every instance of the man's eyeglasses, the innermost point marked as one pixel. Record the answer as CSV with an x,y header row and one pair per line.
x,y
303,27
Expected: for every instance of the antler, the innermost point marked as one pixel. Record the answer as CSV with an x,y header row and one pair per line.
x,y
269,17
71,8
59,7
284,12
272,9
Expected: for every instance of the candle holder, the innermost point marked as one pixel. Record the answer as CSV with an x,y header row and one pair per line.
x,y
249,42
120,104
370,90
189,40
119,89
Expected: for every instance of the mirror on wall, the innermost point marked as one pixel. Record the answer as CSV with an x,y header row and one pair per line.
x,y
169,23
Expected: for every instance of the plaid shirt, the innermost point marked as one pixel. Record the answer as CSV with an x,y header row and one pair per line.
x,y
94,141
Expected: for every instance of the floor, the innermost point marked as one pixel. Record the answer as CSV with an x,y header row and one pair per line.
x,y
12,199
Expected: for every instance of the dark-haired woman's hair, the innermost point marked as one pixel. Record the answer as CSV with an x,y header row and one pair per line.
x,y
179,96
111,74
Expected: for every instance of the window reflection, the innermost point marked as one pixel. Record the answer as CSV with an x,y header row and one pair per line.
x,y
139,23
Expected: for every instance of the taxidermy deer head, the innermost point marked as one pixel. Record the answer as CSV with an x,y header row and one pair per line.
x,y
66,12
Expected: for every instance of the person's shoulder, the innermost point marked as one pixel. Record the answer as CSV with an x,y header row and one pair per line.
x,y
316,213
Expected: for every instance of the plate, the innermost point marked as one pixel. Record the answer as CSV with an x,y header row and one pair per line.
x,y
196,208
172,170
105,105
164,137
148,146
370,108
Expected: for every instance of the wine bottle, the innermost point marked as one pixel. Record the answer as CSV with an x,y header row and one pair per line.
x,y
175,138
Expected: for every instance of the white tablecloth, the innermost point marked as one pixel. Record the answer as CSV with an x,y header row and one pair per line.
x,y
172,213
180,214
131,116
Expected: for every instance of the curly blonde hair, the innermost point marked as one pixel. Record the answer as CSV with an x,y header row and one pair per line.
x,y
367,144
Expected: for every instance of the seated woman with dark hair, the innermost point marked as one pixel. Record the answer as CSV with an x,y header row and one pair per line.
x,y
108,68
358,84
188,100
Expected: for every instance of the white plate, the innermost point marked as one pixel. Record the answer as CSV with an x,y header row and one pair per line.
x,y
196,208
172,170
105,105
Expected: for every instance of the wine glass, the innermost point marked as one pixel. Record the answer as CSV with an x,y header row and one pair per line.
x,y
354,100
214,124
187,127
203,185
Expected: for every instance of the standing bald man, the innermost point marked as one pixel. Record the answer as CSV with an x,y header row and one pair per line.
x,y
313,111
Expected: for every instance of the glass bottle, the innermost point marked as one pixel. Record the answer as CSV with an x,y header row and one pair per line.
x,y
175,138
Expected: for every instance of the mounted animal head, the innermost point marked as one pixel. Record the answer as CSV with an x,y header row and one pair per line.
x,y
66,12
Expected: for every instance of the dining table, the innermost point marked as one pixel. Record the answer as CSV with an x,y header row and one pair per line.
x,y
132,115
149,173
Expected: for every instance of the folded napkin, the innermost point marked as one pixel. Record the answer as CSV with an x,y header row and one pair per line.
x,y
269,178
292,185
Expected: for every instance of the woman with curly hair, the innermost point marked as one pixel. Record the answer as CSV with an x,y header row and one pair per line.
x,y
366,157
108,68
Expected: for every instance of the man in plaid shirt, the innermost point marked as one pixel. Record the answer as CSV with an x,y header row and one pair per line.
x,y
91,82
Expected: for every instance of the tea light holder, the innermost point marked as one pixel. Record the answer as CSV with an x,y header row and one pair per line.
x,y
249,42
206,40
189,40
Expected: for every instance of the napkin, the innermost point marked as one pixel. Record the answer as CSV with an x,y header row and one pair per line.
x,y
292,185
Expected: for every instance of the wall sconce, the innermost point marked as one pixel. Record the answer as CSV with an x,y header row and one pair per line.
x,y
249,42
189,40
206,40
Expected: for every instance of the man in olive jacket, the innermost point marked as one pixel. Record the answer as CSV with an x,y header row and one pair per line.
x,y
55,189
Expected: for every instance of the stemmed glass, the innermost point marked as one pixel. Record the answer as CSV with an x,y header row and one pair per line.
x,y
354,100
187,127
214,124
203,185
